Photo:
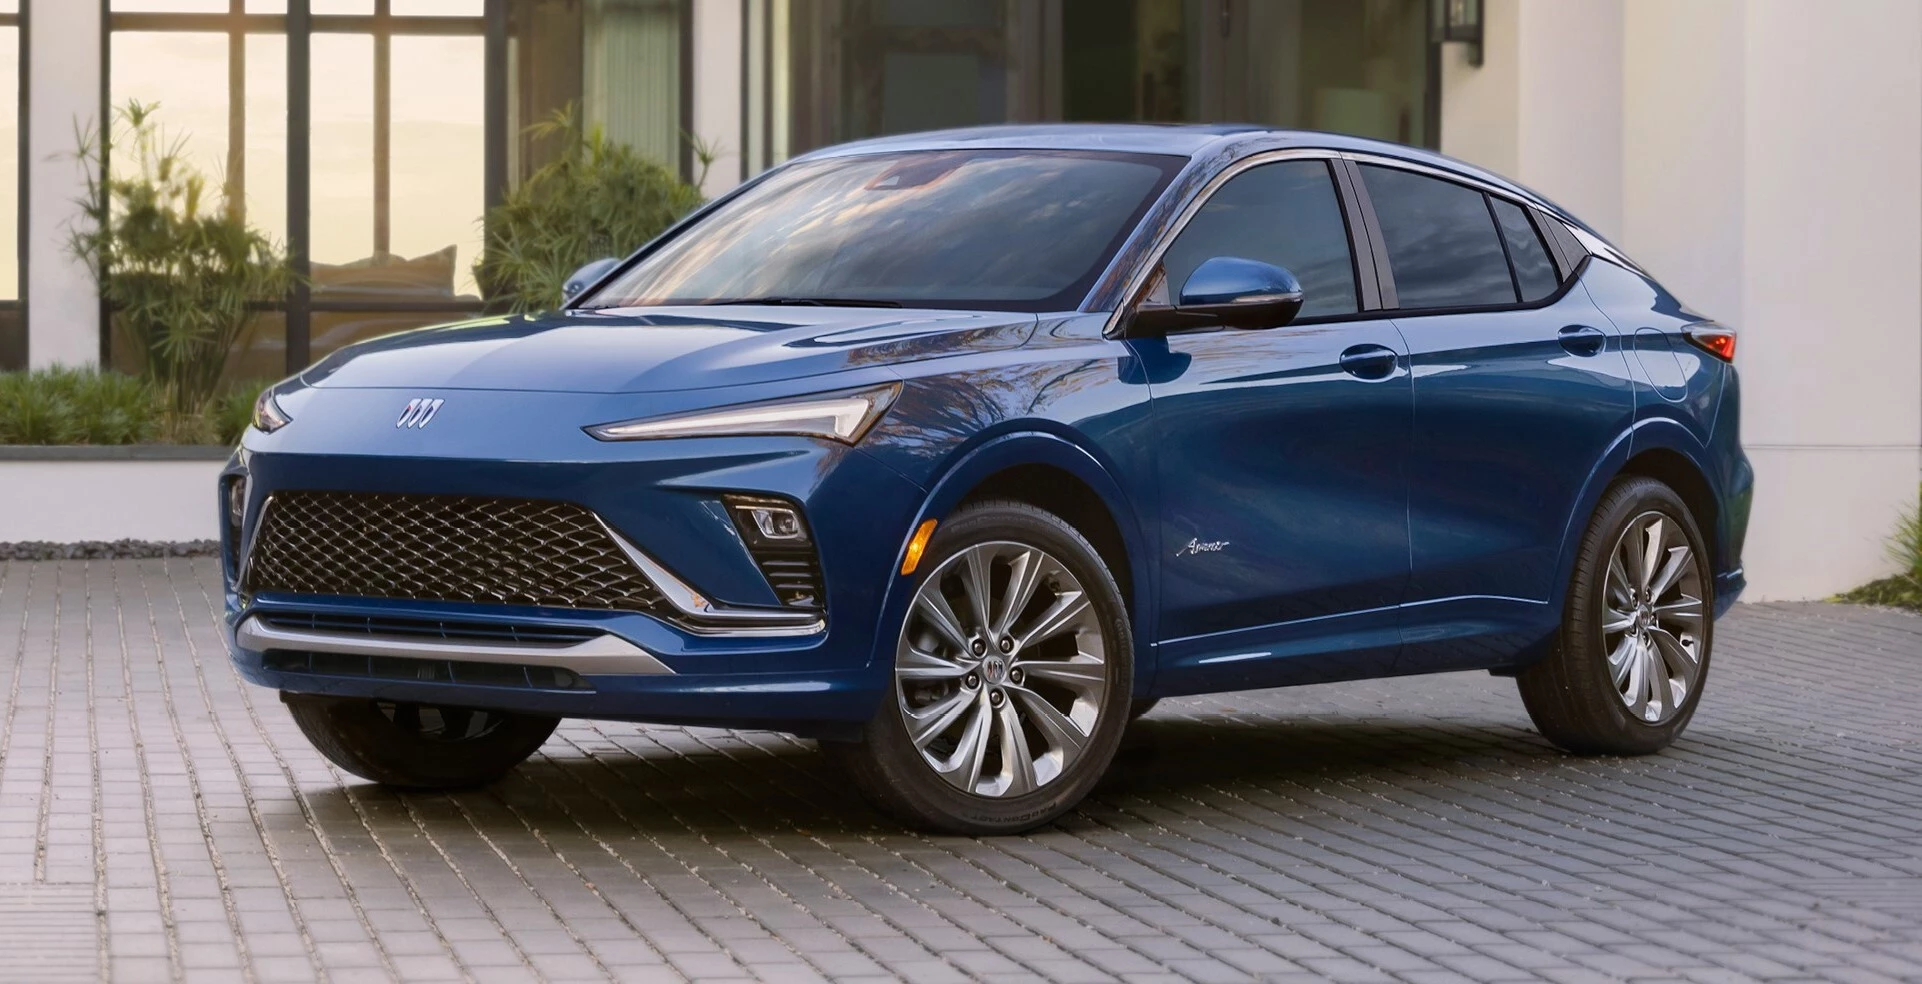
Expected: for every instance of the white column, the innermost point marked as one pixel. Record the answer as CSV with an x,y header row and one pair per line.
x,y
1763,158
717,89
63,308
1830,310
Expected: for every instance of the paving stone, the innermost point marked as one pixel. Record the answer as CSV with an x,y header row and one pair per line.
x,y
1414,830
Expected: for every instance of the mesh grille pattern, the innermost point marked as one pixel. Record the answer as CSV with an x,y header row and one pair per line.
x,y
443,548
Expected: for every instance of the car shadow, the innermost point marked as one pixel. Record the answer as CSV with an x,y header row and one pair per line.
x,y
610,782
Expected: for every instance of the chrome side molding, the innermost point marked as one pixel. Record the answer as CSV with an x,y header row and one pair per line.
x,y
602,655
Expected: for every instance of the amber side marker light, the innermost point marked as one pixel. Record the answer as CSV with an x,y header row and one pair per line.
x,y
916,547
1714,339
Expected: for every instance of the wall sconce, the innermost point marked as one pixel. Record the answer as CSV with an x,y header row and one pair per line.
x,y
1459,20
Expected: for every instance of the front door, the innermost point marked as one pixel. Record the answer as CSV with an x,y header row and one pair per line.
x,y
1282,456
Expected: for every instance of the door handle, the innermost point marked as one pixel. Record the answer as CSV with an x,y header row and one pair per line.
x,y
1582,339
1368,361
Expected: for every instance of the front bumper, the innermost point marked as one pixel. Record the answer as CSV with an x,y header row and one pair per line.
x,y
664,498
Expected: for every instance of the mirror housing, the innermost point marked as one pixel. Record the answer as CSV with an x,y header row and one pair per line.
x,y
584,278
1225,292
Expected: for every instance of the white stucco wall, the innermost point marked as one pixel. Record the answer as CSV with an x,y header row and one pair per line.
x,y
64,96
1832,286
71,501
1709,138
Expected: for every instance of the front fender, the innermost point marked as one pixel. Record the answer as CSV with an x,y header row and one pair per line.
x,y
969,467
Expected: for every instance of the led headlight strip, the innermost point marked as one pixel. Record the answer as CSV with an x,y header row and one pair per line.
x,y
844,416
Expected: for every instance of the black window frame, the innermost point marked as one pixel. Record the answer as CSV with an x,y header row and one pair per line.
x,y
298,25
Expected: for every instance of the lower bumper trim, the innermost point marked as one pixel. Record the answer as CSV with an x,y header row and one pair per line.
x,y
600,655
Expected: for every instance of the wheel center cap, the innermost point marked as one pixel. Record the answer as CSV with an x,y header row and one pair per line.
x,y
994,669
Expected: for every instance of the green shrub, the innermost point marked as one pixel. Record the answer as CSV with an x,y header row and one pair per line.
x,y
179,267
596,198
1904,589
230,413
76,406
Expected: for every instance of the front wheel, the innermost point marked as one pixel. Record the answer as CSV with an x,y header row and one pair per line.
x,y
418,746
1628,668
1011,678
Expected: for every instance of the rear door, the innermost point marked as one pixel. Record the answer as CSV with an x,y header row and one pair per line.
x,y
1521,387
1282,453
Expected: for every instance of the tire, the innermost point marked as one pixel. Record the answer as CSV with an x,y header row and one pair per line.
x,y
987,707
407,745
1628,667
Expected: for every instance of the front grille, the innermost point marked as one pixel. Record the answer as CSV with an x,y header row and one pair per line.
x,y
466,673
443,548
444,630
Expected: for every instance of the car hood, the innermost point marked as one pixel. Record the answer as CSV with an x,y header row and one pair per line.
x,y
663,349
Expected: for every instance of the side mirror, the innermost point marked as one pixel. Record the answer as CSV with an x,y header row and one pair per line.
x,y
583,278
1226,292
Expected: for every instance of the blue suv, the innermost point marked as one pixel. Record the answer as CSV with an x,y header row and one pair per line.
x,y
957,451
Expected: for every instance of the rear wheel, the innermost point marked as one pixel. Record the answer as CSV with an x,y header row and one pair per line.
x,y
421,746
1011,678
1633,654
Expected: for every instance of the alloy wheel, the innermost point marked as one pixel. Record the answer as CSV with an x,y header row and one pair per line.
x,y
1001,669
1652,617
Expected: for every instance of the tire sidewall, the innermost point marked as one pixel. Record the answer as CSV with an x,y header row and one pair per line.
x,y
1581,630
892,752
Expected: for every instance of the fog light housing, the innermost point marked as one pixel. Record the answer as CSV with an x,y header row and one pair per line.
x,y
776,523
777,536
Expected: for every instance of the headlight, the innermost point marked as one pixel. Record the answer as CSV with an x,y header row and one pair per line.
x,y
843,416
268,416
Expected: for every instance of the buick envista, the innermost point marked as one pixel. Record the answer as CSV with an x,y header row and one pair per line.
x,y
957,451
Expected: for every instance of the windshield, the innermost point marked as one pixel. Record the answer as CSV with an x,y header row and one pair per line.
x,y
1015,230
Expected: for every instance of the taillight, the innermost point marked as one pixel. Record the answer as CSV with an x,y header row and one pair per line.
x,y
1716,340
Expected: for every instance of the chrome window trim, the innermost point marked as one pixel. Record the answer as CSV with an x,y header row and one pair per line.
x,y
601,655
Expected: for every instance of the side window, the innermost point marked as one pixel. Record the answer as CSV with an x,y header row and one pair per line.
x,y
1442,243
1284,213
1534,271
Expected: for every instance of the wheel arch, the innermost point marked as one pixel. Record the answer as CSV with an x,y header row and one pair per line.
x,y
1658,449
1054,473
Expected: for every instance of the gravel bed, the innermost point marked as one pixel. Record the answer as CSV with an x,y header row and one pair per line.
x,y
101,550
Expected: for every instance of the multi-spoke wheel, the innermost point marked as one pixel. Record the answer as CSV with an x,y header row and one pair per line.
x,y
1634,646
418,745
1010,680
1652,616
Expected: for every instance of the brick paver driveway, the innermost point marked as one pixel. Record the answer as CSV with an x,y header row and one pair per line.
x,y
160,819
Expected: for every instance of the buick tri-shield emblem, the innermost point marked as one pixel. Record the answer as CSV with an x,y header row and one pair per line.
x,y
419,413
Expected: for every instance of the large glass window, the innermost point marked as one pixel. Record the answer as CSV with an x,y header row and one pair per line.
x,y
400,142
1284,213
858,68
1442,242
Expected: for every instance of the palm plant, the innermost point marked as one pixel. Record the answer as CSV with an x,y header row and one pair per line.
x,y
595,198
178,262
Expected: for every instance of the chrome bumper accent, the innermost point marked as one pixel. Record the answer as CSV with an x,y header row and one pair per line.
x,y
601,655
716,619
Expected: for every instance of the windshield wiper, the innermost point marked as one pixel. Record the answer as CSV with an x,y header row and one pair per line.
x,y
808,302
